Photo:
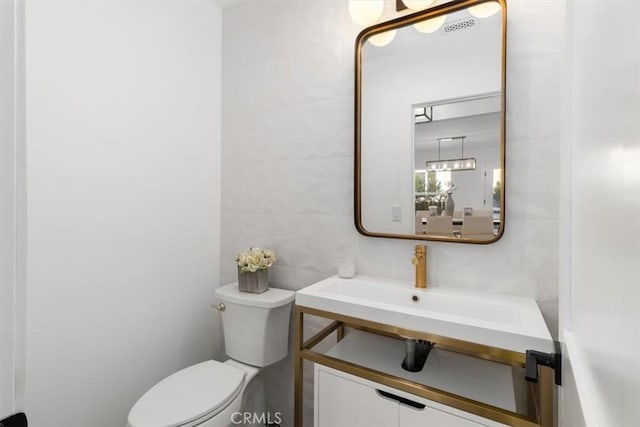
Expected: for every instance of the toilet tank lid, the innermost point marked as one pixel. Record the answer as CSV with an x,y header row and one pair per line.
x,y
270,298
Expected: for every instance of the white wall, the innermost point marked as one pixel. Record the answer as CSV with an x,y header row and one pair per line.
x,y
12,207
7,205
600,323
123,124
288,157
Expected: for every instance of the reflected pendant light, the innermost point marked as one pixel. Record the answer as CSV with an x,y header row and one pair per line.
x,y
460,164
382,39
430,25
366,12
485,10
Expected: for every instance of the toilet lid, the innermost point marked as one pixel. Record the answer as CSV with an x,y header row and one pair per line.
x,y
189,394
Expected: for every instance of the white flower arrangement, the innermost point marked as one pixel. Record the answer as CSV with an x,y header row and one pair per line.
x,y
451,187
254,259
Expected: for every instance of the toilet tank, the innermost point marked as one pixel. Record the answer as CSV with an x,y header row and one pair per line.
x,y
256,326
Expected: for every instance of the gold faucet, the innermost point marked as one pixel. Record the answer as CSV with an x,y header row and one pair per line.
x,y
420,261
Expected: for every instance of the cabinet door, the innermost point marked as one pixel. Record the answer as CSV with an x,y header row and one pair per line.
x,y
345,403
412,417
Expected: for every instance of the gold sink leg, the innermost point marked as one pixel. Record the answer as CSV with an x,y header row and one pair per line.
x,y
297,368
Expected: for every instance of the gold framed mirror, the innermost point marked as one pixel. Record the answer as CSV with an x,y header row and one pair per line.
x,y
430,124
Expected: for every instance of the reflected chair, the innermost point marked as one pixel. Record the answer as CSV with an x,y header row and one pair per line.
x,y
477,227
440,225
482,212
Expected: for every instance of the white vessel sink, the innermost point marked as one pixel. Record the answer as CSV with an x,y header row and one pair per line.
x,y
503,321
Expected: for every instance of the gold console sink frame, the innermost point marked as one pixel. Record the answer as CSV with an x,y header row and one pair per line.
x,y
539,396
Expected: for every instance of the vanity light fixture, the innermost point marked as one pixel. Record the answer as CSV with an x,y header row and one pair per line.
x,y
418,5
485,10
430,25
366,12
460,164
382,39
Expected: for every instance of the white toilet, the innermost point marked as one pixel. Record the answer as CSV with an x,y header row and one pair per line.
x,y
208,394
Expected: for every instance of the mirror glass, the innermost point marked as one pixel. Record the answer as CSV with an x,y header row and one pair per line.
x,y
430,126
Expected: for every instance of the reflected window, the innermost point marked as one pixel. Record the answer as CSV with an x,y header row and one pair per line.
x,y
430,188
496,194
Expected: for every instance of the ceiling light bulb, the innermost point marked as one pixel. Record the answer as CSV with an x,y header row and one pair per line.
x,y
485,10
430,25
382,39
366,12
418,4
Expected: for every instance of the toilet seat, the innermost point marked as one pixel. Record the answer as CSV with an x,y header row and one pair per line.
x,y
189,396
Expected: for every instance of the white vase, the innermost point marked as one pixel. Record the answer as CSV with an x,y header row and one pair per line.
x,y
449,205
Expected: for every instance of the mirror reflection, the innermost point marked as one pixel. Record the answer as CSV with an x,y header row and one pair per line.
x,y
431,120
457,167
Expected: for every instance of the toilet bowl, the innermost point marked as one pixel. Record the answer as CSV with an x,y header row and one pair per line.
x,y
209,394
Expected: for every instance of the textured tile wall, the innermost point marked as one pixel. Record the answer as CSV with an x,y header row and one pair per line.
x,y
288,157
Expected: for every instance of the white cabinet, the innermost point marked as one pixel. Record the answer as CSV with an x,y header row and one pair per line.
x,y
428,416
345,400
